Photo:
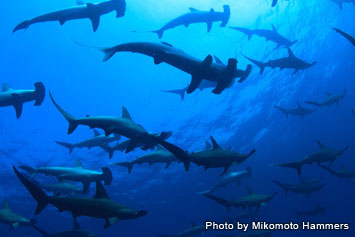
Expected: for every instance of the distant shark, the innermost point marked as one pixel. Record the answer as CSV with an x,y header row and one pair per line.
x,y
341,2
272,35
76,173
249,201
16,98
346,36
232,177
8,217
196,16
299,111
212,158
222,75
159,156
91,11
344,173
291,62
332,99
122,126
318,210
97,141
322,156
306,187
209,84
100,206
193,231
77,231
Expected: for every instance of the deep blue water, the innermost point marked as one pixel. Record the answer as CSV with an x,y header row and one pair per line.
x,y
242,117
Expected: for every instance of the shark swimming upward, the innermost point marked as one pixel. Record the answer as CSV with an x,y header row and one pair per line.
x,y
290,62
299,111
329,101
196,16
93,12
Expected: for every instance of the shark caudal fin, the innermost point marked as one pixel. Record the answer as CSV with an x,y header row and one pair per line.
x,y
245,74
40,93
66,145
292,165
261,65
128,165
106,175
226,15
246,31
158,32
70,118
22,26
109,150
346,35
221,201
180,92
274,2
313,103
108,51
37,193
282,110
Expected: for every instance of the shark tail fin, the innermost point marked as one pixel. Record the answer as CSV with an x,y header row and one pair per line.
x,y
106,175
22,26
42,232
261,65
37,193
313,103
70,118
249,172
282,110
66,145
221,201
110,150
40,93
226,15
180,92
159,33
293,165
108,51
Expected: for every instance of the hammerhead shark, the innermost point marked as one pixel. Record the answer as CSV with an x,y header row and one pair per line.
x,y
330,100
8,217
346,35
93,12
77,231
340,2
16,98
193,231
291,62
159,156
272,35
76,173
213,158
299,111
344,173
122,126
196,16
100,206
199,70
323,155
98,140
249,201
232,177
318,210
209,84
306,187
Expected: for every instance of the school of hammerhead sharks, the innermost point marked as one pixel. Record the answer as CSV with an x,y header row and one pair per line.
x,y
208,73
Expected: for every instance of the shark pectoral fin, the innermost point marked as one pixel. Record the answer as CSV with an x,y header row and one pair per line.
x,y
14,225
195,82
94,17
107,223
167,165
209,26
196,77
17,104
226,168
295,72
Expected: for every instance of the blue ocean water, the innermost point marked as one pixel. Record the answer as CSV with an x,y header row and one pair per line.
x,y
243,117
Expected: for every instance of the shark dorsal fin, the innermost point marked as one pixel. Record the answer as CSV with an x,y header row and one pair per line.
x,y
125,114
211,10
321,146
218,60
214,144
100,191
273,28
193,224
76,225
6,87
290,53
96,133
208,145
78,164
159,148
6,205
193,9
250,192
